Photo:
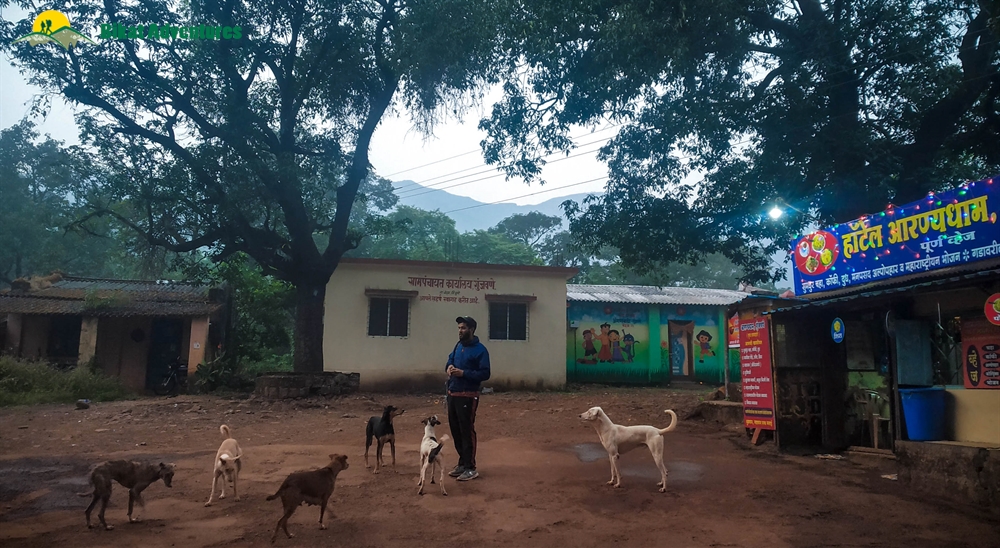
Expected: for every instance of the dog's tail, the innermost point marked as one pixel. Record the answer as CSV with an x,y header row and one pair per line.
x,y
437,450
673,422
276,495
225,431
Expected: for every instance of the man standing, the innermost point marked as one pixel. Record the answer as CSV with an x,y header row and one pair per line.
x,y
468,366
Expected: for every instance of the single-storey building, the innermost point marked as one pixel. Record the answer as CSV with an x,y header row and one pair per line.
x,y
393,321
650,335
132,329
894,345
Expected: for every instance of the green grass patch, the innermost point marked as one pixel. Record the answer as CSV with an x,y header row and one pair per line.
x,y
27,383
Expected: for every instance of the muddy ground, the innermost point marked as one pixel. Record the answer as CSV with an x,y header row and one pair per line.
x,y
542,480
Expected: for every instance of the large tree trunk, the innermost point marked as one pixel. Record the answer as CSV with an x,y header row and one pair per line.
x,y
310,298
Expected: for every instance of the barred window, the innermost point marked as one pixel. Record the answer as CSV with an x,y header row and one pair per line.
x,y
388,317
508,321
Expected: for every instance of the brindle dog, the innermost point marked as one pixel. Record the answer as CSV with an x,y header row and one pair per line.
x,y
136,476
312,487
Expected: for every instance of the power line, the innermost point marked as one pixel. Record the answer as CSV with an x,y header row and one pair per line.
x,y
477,150
527,195
429,190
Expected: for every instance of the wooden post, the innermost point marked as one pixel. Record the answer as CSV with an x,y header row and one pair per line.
x,y
756,436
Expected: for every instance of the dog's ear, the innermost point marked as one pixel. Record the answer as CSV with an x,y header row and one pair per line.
x,y
162,466
424,422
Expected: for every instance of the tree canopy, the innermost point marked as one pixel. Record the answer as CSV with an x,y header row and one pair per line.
x,y
833,107
257,144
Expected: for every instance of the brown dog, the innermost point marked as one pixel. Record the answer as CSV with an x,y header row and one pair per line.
x,y
136,476
313,487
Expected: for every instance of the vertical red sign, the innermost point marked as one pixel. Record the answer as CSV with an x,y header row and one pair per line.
x,y
755,365
980,353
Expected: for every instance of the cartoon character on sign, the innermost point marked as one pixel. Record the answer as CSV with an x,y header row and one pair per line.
x,y
616,348
588,347
629,342
604,354
704,345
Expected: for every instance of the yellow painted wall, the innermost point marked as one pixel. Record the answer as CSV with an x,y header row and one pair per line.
x,y
419,358
973,415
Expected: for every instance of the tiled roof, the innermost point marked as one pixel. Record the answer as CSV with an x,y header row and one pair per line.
x,y
652,295
105,297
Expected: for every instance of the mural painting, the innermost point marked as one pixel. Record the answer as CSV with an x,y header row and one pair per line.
x,y
607,342
691,342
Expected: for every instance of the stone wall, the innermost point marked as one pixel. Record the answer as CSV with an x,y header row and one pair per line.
x,y
301,385
954,472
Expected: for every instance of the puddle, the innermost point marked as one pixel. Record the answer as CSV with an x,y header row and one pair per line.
x,y
679,471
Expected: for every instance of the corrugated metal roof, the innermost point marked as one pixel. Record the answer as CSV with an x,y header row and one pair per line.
x,y
648,294
104,297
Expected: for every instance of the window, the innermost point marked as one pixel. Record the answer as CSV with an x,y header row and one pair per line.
x,y
508,321
388,317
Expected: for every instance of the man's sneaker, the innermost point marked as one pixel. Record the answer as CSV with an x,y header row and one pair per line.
x,y
469,474
458,471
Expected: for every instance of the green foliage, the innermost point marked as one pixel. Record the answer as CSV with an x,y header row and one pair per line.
x,y
259,144
24,383
419,235
529,228
835,108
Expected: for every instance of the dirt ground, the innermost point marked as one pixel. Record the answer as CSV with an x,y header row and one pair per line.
x,y
542,480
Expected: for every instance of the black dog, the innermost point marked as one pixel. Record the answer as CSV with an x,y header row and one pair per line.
x,y
380,428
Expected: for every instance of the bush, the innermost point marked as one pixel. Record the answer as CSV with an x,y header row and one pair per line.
x,y
24,383
226,373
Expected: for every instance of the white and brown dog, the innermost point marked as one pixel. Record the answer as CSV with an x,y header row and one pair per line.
x,y
430,454
227,465
618,440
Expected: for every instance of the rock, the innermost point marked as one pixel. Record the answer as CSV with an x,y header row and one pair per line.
x,y
344,416
101,430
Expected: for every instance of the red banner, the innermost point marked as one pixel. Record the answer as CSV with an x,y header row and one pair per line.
x,y
980,353
755,363
734,331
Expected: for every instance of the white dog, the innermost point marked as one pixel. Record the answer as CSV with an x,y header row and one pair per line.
x,y
619,439
227,465
430,454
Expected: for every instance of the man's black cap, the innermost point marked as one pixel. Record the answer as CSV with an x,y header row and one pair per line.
x,y
467,321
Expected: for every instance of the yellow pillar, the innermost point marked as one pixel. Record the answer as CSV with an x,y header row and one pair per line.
x,y
199,340
88,340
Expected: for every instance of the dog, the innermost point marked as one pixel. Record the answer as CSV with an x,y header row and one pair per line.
x,y
430,454
380,428
135,476
313,487
618,440
227,465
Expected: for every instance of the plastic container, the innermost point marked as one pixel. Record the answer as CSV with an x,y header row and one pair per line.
x,y
923,411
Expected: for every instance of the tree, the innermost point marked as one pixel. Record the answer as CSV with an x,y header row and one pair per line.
x,y
257,144
36,209
834,107
419,235
413,234
528,228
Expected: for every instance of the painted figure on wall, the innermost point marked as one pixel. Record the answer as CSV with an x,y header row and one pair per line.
x,y
616,347
704,345
589,351
604,354
629,343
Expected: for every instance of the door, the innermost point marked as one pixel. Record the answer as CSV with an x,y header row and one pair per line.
x,y
681,358
164,348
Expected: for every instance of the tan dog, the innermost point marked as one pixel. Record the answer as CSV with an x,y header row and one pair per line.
x,y
619,439
313,487
430,454
136,476
227,465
